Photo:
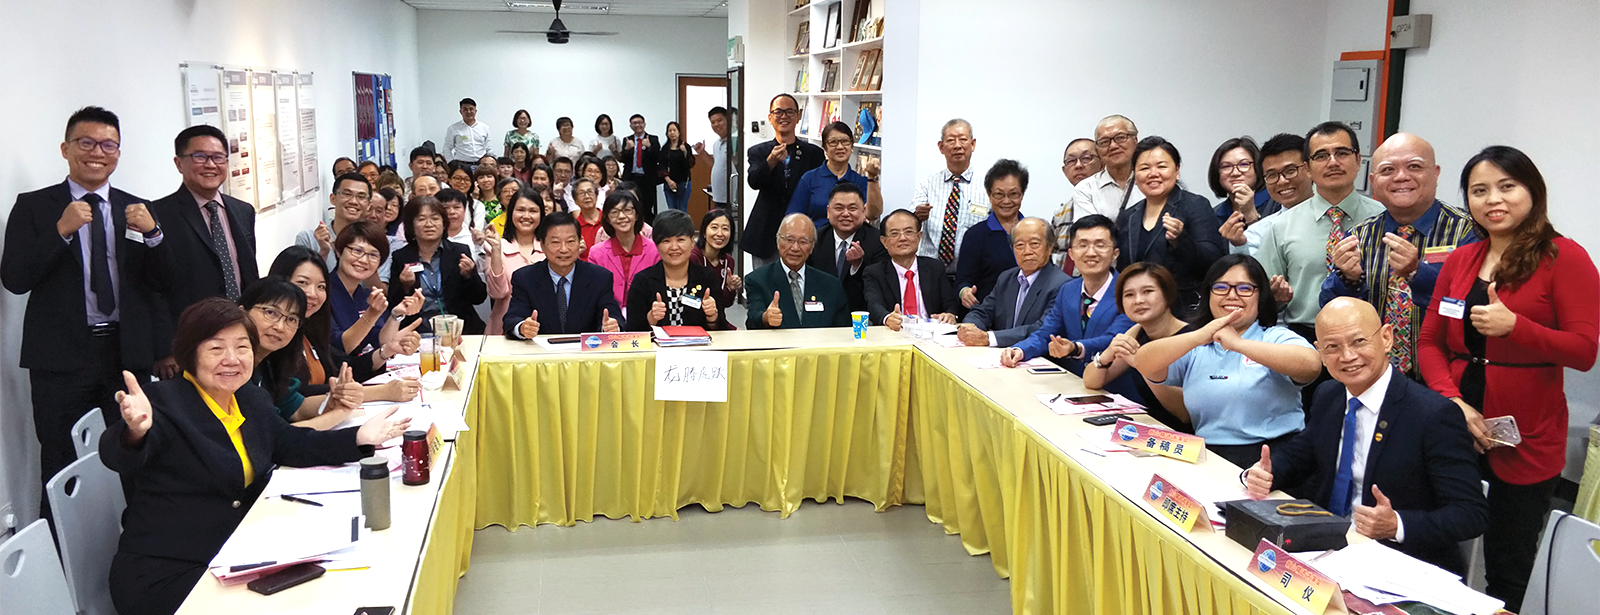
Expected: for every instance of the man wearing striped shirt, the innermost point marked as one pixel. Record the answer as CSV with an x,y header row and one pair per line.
x,y
947,202
1393,259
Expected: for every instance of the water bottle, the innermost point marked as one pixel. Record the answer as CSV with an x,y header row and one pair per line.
x,y
375,492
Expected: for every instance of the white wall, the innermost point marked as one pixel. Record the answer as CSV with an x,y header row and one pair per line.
x,y
124,56
461,55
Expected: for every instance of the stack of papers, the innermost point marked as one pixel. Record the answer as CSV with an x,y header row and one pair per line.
x,y
1063,404
275,543
670,337
1381,575
422,416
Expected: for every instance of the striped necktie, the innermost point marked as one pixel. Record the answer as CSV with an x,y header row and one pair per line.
x,y
1335,234
947,235
1397,311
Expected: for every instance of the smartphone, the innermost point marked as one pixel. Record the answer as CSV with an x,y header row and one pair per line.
x,y
1102,420
1047,369
1084,400
375,610
285,579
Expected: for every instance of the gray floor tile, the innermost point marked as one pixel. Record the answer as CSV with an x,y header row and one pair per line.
x,y
981,603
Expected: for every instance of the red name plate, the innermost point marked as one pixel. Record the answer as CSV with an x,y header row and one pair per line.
x,y
1291,577
1174,504
616,342
1164,442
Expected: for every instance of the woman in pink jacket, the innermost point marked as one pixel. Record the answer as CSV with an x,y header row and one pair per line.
x,y
625,252
517,248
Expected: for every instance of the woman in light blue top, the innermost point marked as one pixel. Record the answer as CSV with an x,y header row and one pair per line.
x,y
1235,369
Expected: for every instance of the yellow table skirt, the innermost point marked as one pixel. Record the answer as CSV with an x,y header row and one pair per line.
x,y
559,441
448,548
1068,542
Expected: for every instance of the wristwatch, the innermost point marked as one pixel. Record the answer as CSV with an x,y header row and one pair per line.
x,y
1097,363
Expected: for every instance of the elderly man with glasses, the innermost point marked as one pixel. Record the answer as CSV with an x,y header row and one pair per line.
x,y
1078,162
788,293
1106,192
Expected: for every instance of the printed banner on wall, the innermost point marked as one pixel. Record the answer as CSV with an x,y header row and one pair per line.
x,y
310,175
236,102
201,93
264,114
288,135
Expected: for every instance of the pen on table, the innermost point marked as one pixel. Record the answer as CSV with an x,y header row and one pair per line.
x,y
1097,454
1054,399
290,498
325,492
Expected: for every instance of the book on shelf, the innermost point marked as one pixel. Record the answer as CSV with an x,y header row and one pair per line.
x,y
800,4
804,129
830,76
802,79
830,112
860,23
869,120
830,32
862,68
866,64
876,82
802,38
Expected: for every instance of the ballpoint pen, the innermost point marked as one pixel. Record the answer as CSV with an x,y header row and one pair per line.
x,y
290,498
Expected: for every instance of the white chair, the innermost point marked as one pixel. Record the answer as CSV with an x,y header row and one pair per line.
x,y
87,501
86,432
30,574
1564,574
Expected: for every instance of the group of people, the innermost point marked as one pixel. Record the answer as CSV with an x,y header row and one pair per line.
x,y
1436,324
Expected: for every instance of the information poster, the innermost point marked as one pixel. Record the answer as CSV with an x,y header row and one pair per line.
x,y
310,175
288,135
202,95
236,103
264,113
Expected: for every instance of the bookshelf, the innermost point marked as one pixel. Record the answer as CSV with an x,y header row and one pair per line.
x,y
836,81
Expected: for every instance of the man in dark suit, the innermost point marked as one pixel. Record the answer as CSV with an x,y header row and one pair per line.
x,y
1085,316
212,234
906,283
846,245
802,296
93,259
560,295
1002,319
641,164
775,168
1381,448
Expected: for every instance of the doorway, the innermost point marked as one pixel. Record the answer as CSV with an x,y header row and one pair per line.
x,y
697,95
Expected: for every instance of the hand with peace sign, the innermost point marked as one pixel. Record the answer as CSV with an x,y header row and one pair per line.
x,y
136,411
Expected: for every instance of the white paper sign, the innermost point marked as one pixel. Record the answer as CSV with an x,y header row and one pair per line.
x,y
692,375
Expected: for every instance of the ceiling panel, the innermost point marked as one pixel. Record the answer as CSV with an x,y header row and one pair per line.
x,y
653,8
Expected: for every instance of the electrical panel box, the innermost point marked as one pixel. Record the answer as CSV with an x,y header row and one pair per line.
x,y
1411,31
1355,100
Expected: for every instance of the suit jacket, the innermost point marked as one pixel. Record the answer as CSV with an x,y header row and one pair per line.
x,y
461,293
1421,457
1199,245
774,277
997,312
653,170
826,253
1063,321
776,187
532,290
185,484
653,279
883,289
188,240
36,260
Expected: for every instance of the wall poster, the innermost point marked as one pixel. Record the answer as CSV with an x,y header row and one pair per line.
x,y
264,114
288,135
236,102
310,175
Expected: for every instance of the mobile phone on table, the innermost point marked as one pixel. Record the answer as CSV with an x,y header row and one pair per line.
x,y
285,579
375,610
1102,420
1047,369
566,340
1084,400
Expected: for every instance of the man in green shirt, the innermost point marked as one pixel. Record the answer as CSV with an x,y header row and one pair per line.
x,y
1297,246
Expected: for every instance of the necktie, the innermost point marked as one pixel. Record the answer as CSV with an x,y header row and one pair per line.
x,y
1397,311
561,303
1337,216
219,242
844,246
1083,312
1022,296
638,154
908,304
1339,500
947,236
99,258
794,289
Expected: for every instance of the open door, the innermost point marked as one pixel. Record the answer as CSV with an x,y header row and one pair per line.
x,y
697,95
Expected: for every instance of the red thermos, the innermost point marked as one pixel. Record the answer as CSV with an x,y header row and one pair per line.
x,y
414,458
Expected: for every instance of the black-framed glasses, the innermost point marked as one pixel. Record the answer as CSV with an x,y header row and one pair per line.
x,y
1121,138
839,143
202,158
87,144
1287,173
277,316
357,254
785,112
1085,160
1244,289
1342,153
1243,166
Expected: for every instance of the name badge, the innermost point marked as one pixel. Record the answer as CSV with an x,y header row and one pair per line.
x,y
1437,254
1249,362
813,305
414,267
1453,308
133,234
690,301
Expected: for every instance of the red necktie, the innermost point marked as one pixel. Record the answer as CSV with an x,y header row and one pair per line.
x,y
909,304
638,152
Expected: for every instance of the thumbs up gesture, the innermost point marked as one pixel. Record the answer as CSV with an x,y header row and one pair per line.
x,y
136,410
894,319
658,310
1494,319
607,323
1258,479
529,327
709,305
1376,522
774,314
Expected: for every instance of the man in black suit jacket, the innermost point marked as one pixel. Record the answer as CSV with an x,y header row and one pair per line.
x,y
535,309
213,265
641,164
997,320
93,259
773,303
885,281
774,168
1412,464
847,240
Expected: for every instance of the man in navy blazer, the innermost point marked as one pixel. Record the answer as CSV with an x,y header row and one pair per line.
x,y
888,287
1000,319
845,239
1390,453
1085,316
586,303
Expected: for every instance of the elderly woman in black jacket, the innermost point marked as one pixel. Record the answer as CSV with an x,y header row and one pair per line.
x,y
675,291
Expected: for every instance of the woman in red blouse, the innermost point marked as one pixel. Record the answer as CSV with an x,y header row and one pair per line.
x,y
1509,313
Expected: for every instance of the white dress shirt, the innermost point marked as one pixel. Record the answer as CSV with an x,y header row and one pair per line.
x,y
935,191
1099,194
91,302
1366,426
468,143
916,282
842,244
719,170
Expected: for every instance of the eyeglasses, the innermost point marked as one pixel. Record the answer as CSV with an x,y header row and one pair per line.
x,y
802,241
87,144
838,143
351,194
901,233
1288,173
1360,344
277,317
1342,153
585,192
1097,246
202,158
785,112
1245,289
1085,160
360,254
1005,197
1121,138
1243,166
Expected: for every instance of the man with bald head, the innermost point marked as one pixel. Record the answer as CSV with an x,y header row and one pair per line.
x,y
1392,260
1380,448
1106,192
788,293
1022,295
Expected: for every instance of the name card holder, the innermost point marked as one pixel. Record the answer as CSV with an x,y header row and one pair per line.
x,y
637,341
1176,505
1164,442
1292,578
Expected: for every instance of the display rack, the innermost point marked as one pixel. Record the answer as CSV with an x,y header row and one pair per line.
x,y
836,68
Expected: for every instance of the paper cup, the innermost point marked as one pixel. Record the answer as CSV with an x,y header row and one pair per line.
x,y
858,325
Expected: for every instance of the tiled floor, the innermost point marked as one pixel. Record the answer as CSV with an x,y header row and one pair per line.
x,y
826,558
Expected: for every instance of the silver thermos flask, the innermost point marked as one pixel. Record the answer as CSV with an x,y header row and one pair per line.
x,y
375,492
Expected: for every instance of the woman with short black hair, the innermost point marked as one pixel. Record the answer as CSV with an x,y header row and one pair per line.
x,y
674,291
